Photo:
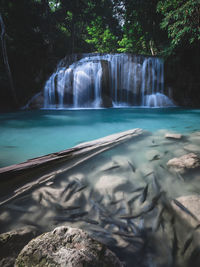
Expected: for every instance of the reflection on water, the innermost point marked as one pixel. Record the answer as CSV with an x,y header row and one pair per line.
x,y
123,197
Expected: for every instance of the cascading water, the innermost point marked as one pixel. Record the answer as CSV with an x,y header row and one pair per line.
x,y
158,100
106,80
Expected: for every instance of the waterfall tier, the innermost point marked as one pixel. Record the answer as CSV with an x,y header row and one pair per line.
x,y
158,100
104,81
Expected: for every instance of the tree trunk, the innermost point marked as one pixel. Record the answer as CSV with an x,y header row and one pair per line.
x,y
5,59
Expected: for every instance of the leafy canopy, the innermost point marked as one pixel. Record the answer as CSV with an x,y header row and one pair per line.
x,y
101,37
181,19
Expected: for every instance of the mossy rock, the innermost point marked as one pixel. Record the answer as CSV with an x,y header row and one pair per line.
x,y
11,243
66,246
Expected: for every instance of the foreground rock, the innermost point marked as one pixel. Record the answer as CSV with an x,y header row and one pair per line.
x,y
66,246
173,136
11,243
187,162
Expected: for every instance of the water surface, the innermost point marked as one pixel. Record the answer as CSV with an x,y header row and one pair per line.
x,y
123,197
29,134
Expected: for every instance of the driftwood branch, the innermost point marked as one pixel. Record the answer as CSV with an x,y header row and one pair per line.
x,y
20,178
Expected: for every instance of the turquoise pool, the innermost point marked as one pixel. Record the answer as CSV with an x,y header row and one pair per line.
x,y
28,134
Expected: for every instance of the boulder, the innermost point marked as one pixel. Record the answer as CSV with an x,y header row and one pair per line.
x,y
173,136
11,243
66,246
185,163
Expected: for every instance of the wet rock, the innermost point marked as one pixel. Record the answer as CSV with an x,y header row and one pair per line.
x,y
106,96
192,204
185,163
36,102
106,101
11,243
173,136
66,246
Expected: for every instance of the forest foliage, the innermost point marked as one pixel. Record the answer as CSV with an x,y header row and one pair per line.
x,y
136,26
40,32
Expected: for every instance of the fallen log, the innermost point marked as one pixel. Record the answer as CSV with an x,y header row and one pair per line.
x,y
19,178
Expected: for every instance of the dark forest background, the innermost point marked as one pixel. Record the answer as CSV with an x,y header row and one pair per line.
x,y
38,33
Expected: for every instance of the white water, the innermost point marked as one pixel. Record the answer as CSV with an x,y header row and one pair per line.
x,y
125,80
158,100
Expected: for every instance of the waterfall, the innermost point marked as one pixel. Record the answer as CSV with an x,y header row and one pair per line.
x,y
98,80
158,100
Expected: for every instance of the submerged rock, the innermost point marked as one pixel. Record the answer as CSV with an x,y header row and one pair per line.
x,y
11,243
190,210
173,136
187,162
69,247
